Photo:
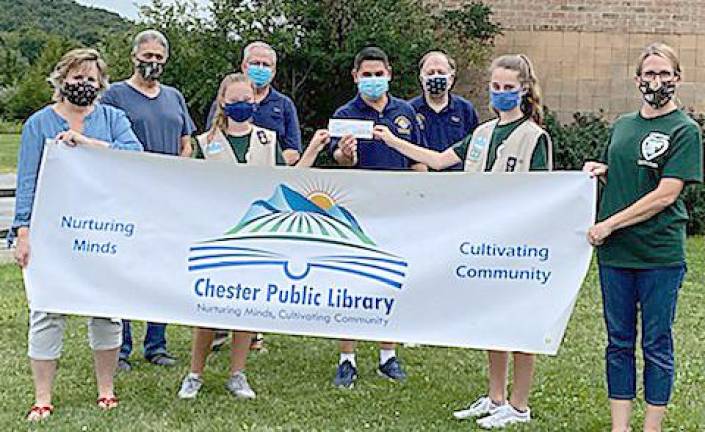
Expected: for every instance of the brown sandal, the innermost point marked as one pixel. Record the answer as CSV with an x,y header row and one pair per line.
x,y
107,403
39,412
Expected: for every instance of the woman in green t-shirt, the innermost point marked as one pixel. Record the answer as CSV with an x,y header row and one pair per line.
x,y
514,142
640,235
234,138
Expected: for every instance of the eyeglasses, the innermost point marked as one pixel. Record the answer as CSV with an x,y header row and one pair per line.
x,y
661,75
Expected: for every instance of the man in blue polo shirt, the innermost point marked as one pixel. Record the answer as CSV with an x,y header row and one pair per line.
x,y
275,111
372,73
445,118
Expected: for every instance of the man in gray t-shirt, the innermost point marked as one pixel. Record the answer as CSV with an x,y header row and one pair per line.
x,y
161,121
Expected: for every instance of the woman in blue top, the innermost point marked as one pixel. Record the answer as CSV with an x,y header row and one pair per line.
x,y
75,119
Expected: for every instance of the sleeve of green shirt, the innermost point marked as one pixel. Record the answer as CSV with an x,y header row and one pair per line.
x,y
461,147
685,161
539,159
603,155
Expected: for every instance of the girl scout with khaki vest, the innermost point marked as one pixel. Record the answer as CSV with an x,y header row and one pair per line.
x,y
234,139
513,142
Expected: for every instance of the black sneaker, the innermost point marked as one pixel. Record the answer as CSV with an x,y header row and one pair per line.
x,y
392,369
163,359
345,376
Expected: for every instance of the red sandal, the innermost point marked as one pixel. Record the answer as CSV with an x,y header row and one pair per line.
x,y
107,403
39,412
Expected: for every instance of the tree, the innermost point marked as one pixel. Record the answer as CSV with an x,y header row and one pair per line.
x,y
316,42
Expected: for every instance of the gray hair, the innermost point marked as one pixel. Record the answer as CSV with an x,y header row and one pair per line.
x,y
259,44
149,36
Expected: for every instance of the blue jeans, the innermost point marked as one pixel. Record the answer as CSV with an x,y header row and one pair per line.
x,y
625,293
154,340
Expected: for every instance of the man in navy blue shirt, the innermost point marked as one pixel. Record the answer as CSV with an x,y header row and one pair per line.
x,y
372,73
275,111
161,121
445,118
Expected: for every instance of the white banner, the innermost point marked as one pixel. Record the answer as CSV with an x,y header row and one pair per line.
x,y
491,261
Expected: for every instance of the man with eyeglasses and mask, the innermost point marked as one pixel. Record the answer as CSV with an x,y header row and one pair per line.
x,y
161,121
275,111
444,118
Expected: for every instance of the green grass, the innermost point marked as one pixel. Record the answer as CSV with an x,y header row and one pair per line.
x,y
9,143
292,379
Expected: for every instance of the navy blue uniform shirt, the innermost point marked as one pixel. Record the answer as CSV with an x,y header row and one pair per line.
x,y
443,129
398,116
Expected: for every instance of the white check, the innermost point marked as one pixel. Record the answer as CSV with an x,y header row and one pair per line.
x,y
357,128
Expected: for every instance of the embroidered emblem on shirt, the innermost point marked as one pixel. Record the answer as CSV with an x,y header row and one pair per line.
x,y
403,125
455,119
654,145
420,119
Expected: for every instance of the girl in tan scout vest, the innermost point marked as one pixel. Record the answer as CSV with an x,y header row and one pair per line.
x,y
234,139
513,142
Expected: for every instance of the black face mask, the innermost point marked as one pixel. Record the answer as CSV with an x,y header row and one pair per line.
x,y
660,96
80,94
150,71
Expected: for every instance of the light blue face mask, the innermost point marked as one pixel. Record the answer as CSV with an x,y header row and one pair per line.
x,y
259,75
373,87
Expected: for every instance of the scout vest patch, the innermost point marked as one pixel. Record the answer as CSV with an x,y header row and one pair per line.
x,y
654,145
477,147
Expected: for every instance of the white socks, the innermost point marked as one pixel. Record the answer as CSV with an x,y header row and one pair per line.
x,y
347,357
386,354
194,375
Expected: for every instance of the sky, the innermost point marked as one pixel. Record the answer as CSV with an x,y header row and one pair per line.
x,y
126,8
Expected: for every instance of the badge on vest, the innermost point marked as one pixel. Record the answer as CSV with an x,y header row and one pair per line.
x,y
214,147
262,137
654,145
511,164
403,125
477,147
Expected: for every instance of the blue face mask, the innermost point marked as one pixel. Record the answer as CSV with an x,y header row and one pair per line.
x,y
260,75
239,111
373,87
505,100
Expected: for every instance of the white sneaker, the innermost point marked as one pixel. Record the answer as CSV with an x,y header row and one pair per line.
x,y
503,416
190,387
480,407
238,386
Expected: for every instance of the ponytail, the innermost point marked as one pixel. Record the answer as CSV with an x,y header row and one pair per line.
x,y
531,101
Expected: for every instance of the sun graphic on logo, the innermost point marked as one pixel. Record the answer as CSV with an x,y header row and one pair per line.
x,y
323,195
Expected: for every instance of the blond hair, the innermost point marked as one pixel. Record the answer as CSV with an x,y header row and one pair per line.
x,y
531,101
661,50
76,59
220,120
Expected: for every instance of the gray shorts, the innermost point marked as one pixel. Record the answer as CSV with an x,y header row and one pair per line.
x,y
46,334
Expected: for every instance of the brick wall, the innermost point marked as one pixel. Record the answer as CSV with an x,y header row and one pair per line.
x,y
585,51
